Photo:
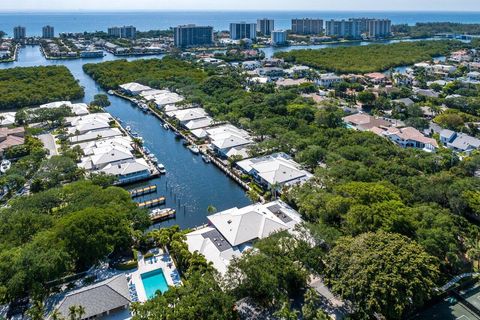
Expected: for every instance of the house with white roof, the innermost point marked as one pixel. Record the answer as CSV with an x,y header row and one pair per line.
x,y
133,88
233,231
327,80
95,135
128,171
224,142
199,123
459,142
278,169
7,119
104,156
187,115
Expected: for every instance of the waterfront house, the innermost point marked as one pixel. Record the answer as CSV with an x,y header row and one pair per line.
x,y
128,171
133,88
277,170
199,123
79,109
226,137
233,231
376,78
95,135
107,298
102,156
186,115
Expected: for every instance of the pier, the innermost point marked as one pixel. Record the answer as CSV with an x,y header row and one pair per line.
x,y
151,203
141,191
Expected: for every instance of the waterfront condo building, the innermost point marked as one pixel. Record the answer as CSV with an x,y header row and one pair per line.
x,y
279,37
128,32
19,33
192,35
307,26
265,26
243,30
48,32
355,28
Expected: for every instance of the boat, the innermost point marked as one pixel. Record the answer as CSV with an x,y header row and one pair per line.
x,y
111,92
206,159
166,126
161,168
140,139
146,150
194,149
178,135
5,165
152,158
162,214
134,134
128,128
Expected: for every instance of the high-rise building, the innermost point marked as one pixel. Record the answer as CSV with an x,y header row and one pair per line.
x,y
265,26
19,33
307,26
48,32
192,35
279,37
243,30
129,32
379,28
344,28
355,28
114,32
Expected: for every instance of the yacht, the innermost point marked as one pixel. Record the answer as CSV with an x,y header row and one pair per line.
x,y
194,149
5,165
161,168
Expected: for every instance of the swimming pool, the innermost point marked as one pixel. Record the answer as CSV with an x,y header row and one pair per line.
x,y
153,281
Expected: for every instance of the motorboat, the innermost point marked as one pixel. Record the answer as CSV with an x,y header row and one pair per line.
x,y
152,158
128,128
161,168
194,149
162,214
5,165
206,159
166,126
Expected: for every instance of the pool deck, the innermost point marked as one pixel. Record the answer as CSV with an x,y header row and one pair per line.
x,y
160,260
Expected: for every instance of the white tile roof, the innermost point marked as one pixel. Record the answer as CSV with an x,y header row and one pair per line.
x,y
127,167
134,87
184,115
199,123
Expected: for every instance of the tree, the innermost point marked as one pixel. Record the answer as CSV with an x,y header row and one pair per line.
x,y
311,306
374,270
101,100
366,97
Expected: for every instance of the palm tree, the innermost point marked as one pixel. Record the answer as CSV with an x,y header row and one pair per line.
x,y
473,252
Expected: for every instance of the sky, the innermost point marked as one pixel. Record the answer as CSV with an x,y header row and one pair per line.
x,y
316,5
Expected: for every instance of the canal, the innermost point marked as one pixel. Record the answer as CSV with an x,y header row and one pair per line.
x,y
190,185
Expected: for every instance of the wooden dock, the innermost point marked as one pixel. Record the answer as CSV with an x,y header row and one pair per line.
x,y
141,191
152,203
162,215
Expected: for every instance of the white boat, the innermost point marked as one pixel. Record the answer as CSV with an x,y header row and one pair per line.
x,y
194,149
165,126
5,165
111,92
128,128
206,159
161,168
152,158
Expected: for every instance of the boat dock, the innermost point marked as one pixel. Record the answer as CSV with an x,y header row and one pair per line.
x,y
162,215
151,203
141,191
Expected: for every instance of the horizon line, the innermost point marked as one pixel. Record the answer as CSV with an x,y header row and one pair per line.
x,y
221,10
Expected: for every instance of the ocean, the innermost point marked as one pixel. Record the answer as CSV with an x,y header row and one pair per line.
x,y
98,21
